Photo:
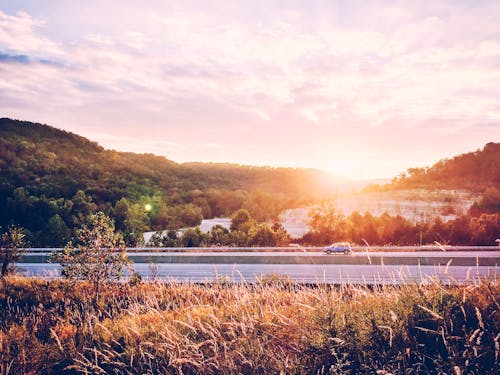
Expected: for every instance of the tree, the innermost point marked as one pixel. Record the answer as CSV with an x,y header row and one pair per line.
x,y
484,229
171,239
82,207
57,232
11,249
327,223
192,237
280,234
242,221
99,256
219,236
191,215
262,235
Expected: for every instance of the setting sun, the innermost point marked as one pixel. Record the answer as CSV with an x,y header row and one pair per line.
x,y
342,167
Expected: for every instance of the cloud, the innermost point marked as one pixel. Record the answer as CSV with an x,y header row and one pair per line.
x,y
19,59
19,33
207,74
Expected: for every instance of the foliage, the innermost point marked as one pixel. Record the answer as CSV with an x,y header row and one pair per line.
x,y
242,221
52,181
489,203
11,249
99,256
476,171
326,222
192,237
245,231
269,327
328,226
49,173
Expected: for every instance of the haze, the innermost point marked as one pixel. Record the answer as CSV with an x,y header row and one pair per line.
x,y
365,89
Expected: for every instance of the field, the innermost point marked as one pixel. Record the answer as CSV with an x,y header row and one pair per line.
x,y
270,327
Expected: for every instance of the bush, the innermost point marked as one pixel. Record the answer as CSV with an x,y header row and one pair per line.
x,y
99,256
11,249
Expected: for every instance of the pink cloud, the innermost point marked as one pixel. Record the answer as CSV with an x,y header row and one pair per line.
x,y
283,79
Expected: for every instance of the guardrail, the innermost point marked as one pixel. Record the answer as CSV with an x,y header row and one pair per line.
x,y
286,249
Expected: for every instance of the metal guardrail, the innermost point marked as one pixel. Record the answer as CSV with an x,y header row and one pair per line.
x,y
285,249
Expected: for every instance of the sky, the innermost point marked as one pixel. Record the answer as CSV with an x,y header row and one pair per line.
x,y
364,89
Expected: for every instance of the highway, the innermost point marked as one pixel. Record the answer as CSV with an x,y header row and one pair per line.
x,y
301,273
387,267
457,258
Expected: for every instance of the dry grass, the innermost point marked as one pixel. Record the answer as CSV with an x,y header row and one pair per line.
x,y
266,328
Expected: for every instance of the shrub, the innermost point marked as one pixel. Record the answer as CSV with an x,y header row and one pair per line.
x,y
99,256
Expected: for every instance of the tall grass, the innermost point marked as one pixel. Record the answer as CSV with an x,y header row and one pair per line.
x,y
270,327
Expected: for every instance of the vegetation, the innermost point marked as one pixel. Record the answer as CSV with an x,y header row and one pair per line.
x,y
269,327
244,231
328,225
52,180
475,171
11,249
99,256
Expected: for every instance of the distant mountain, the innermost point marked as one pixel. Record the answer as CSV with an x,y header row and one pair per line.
x,y
47,173
476,171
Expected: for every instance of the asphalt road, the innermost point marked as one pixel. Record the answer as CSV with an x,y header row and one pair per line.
x,y
395,265
301,273
455,258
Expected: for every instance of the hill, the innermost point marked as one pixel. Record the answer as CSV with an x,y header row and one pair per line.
x,y
476,171
51,180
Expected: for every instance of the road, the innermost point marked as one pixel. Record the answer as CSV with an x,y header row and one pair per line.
x,y
389,267
314,273
457,258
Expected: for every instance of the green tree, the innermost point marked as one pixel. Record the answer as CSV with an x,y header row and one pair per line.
x,y
219,236
82,207
239,238
137,219
262,235
191,215
11,249
56,232
192,237
99,256
155,240
120,213
171,239
242,221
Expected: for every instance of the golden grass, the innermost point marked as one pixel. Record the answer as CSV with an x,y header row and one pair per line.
x,y
265,328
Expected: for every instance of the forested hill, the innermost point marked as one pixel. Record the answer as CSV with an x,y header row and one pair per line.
x,y
477,171
54,178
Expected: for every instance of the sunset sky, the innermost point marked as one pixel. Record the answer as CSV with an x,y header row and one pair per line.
x,y
365,89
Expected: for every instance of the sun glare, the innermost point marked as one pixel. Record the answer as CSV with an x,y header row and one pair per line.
x,y
342,167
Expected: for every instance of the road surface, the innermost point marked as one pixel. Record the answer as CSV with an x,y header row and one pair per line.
x,y
390,267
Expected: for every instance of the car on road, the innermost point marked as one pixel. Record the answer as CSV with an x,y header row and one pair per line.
x,y
338,248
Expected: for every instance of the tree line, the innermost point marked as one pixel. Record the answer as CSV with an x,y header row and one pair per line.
x,y
328,225
475,171
51,180
244,231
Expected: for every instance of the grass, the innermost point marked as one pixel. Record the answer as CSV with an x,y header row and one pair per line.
x,y
269,327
